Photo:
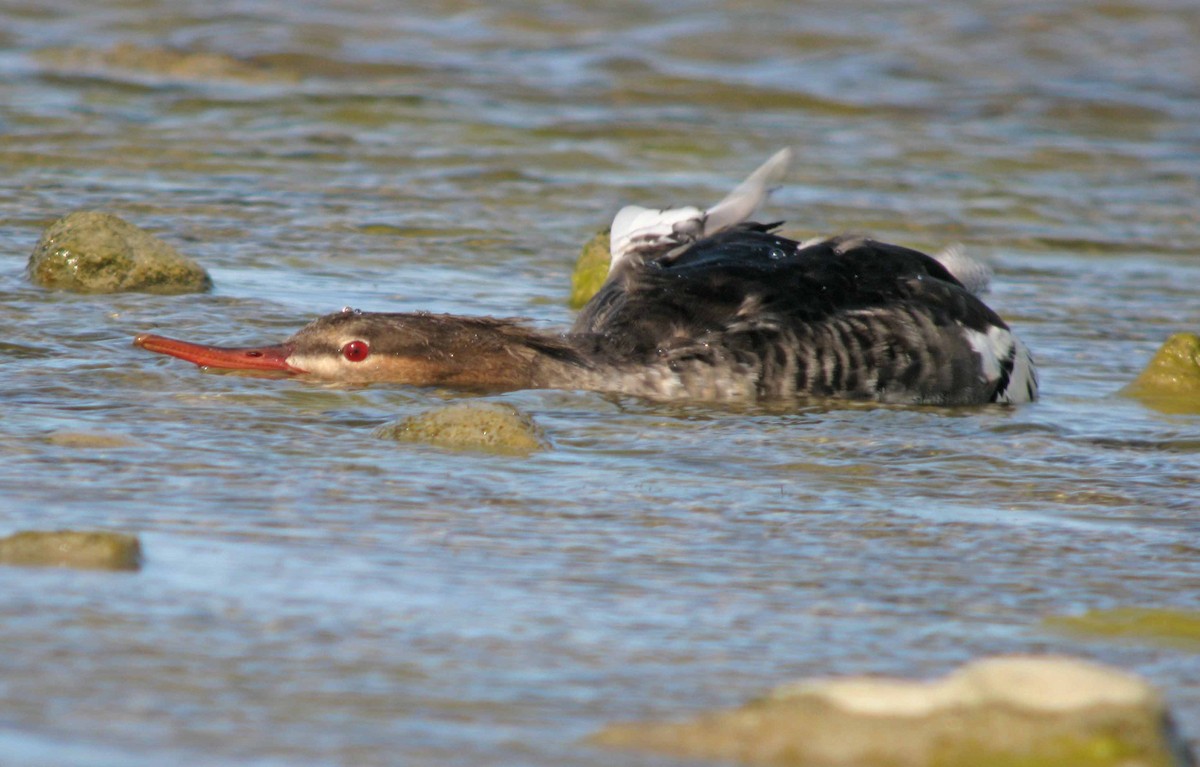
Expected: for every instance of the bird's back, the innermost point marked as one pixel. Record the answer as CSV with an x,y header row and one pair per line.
x,y
747,313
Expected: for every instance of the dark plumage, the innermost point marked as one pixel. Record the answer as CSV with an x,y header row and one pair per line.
x,y
840,317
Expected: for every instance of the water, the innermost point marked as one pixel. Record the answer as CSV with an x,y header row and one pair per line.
x,y
313,595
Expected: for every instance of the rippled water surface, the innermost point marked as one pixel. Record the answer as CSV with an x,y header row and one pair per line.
x,y
313,595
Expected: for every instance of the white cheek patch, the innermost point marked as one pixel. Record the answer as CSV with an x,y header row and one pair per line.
x,y
320,365
333,365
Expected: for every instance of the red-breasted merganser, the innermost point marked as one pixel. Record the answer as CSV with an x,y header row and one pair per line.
x,y
698,305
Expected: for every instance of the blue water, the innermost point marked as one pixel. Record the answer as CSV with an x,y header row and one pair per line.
x,y
313,595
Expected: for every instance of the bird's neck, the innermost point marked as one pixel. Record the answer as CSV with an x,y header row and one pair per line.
x,y
486,354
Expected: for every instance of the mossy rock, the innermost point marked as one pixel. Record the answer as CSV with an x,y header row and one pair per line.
x,y
1171,381
591,270
94,252
1175,628
1027,711
489,427
71,548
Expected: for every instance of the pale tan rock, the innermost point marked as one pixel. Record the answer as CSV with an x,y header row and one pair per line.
x,y
1030,711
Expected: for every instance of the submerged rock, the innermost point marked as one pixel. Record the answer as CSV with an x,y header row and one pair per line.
x,y
591,269
1029,711
1176,628
1171,381
483,426
71,548
165,63
93,252
88,440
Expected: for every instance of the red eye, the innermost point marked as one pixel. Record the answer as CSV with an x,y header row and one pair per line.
x,y
356,351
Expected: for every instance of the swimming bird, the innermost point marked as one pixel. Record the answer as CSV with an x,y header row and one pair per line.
x,y
698,305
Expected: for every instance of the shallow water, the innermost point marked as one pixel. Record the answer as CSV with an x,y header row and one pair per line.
x,y
313,595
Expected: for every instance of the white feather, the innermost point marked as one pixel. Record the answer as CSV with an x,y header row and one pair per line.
x,y
975,275
993,347
1022,382
740,204
636,227
996,348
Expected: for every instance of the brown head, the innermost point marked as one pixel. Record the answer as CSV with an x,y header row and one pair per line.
x,y
419,349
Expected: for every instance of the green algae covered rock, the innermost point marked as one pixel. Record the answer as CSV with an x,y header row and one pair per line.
x,y
1171,381
591,269
93,252
1028,711
71,548
483,426
1175,628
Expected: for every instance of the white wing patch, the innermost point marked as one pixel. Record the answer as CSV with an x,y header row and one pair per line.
x,y
993,348
1003,356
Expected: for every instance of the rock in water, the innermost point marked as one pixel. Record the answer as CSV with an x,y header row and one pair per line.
x,y
71,548
93,252
489,427
591,270
1171,381
164,64
1029,711
1172,628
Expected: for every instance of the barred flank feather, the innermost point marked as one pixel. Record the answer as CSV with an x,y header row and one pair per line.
x,y
750,314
